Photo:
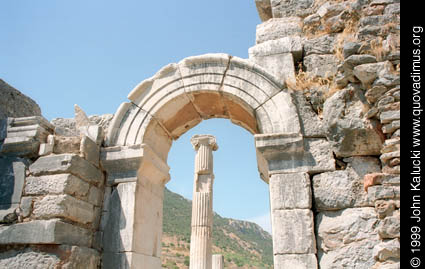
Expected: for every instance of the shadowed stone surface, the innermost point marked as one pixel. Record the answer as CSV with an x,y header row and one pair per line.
x,y
15,104
52,231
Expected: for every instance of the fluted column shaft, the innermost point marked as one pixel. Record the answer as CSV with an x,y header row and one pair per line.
x,y
201,228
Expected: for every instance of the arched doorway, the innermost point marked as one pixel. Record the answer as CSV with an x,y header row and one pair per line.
x,y
171,102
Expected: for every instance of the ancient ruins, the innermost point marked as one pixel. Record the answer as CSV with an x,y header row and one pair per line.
x,y
320,93
202,209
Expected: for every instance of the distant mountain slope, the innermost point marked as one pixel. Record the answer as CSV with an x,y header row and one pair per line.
x,y
244,244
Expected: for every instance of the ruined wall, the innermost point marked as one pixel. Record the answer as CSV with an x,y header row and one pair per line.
x,y
52,194
342,59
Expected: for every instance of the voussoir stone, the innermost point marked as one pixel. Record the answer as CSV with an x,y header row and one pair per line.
x,y
67,163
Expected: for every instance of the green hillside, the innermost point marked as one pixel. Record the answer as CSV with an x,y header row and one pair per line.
x,y
243,244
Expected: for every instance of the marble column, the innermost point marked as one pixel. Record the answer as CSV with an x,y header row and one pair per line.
x,y
202,213
217,261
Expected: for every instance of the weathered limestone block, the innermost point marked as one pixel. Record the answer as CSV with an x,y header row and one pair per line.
x,y
54,206
95,196
293,239
311,124
387,265
52,231
373,94
385,208
346,238
121,163
344,188
350,48
379,192
47,148
329,9
282,9
387,250
278,28
380,179
295,261
90,150
324,65
28,258
264,9
338,190
390,226
67,163
290,191
26,206
50,257
316,158
324,44
96,129
278,56
56,184
24,136
66,144
289,44
367,73
389,116
281,66
392,9
349,132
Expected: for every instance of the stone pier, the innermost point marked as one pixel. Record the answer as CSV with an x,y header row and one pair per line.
x,y
201,234
217,261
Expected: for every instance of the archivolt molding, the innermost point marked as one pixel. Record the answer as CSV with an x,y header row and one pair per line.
x,y
179,96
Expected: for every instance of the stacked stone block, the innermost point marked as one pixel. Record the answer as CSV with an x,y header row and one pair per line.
x,y
57,197
349,95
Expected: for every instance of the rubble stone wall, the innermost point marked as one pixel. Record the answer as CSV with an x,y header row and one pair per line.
x,y
340,61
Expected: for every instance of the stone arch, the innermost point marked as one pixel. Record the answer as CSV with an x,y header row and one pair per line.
x,y
160,110
202,87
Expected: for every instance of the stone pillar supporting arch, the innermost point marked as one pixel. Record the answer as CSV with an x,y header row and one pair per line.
x,y
171,102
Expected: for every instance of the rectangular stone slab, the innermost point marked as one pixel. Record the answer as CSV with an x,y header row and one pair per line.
x,y
67,163
293,231
45,232
290,191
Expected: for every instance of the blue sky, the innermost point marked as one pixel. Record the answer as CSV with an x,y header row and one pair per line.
x,y
92,53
